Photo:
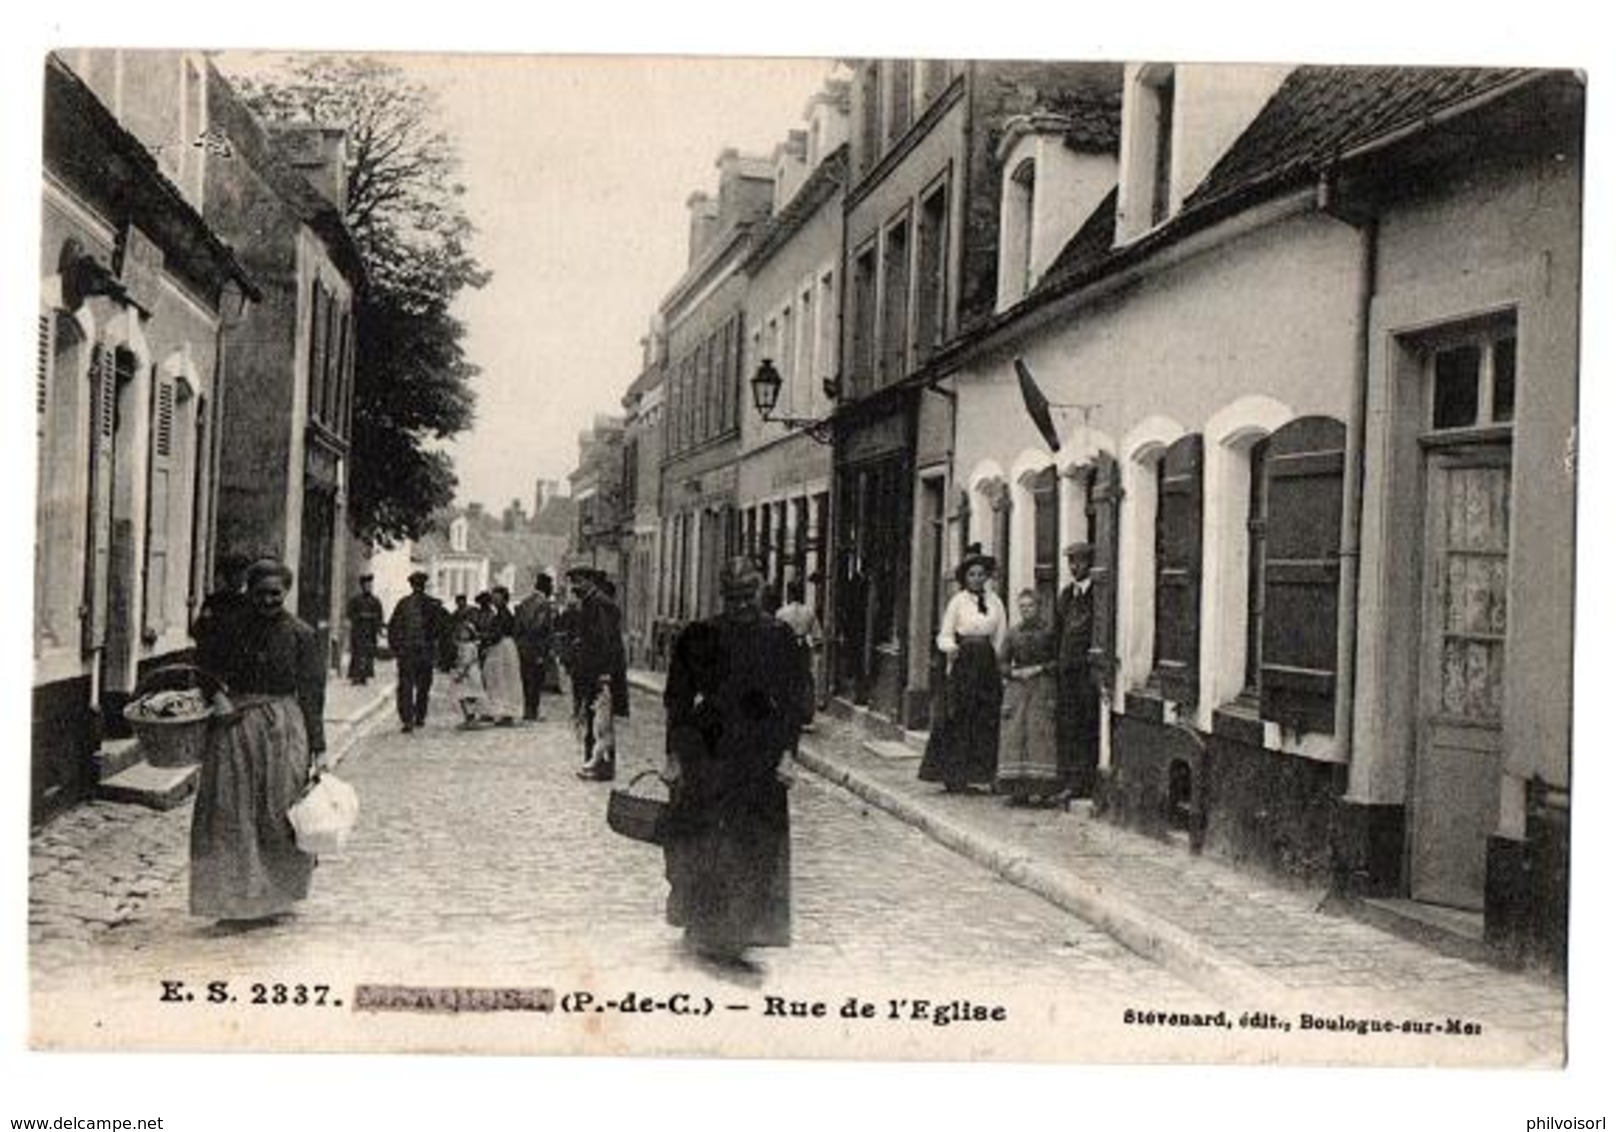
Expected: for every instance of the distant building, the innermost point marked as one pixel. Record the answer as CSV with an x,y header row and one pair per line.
x,y
642,482
597,495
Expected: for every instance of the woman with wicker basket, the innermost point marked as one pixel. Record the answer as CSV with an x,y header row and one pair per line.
x,y
246,868
735,704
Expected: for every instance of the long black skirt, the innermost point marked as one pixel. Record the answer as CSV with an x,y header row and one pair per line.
x,y
964,749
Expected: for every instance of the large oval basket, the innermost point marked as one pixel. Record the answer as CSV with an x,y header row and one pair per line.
x,y
169,742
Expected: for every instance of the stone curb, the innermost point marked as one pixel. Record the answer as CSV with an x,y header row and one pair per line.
x,y
1140,931
360,725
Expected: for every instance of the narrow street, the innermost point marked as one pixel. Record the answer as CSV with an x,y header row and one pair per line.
x,y
481,860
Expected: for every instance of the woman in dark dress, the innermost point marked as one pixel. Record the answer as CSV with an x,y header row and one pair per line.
x,y
245,863
963,750
734,703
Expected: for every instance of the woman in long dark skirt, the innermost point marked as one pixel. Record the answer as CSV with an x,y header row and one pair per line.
x,y
1028,771
734,702
246,867
963,750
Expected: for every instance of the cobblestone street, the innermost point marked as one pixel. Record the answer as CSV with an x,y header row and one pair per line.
x,y
479,856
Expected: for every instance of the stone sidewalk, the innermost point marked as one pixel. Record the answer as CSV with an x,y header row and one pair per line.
x,y
68,856
1244,937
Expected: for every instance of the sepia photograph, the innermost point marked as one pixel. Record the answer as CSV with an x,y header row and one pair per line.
x,y
901,558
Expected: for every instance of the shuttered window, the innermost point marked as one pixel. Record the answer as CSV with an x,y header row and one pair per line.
x,y
1002,512
47,351
1105,520
1301,567
155,594
104,366
1178,571
1046,539
42,387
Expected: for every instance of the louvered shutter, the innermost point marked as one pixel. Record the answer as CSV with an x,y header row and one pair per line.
x,y
1046,538
1300,573
155,602
103,424
42,372
42,381
1105,500
1178,571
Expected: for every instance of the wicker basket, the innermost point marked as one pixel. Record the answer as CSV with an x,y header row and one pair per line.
x,y
638,817
169,742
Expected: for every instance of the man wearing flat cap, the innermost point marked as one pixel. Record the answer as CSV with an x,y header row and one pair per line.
x,y
1077,702
364,626
413,632
598,667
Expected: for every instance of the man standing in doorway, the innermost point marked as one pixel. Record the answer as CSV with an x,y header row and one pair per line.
x,y
1077,702
364,626
535,631
413,632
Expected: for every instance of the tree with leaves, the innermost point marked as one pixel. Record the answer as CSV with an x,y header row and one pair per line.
x,y
412,384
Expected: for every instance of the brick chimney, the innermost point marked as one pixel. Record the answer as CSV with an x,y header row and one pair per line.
x,y
320,153
703,222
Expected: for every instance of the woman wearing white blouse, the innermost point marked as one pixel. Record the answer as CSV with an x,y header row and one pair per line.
x,y
963,750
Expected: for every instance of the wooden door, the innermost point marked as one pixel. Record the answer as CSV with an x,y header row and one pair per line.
x,y
1461,692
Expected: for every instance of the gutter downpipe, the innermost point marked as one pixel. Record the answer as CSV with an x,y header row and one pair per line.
x,y
1368,229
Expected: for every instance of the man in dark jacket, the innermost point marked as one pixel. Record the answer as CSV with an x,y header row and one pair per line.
x,y
598,667
535,631
413,632
1077,704
364,626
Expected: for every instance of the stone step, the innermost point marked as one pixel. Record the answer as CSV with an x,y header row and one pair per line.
x,y
157,787
116,756
916,740
889,749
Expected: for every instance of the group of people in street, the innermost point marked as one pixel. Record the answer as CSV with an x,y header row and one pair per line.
x,y
1021,711
496,656
739,691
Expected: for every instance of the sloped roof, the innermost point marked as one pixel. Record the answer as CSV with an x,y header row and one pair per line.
x,y
1317,115
828,178
85,142
250,136
1320,113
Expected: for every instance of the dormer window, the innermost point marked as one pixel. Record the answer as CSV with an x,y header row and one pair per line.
x,y
1161,158
1053,180
457,536
1149,187
1019,192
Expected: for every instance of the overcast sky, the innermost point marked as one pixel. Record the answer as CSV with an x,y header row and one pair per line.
x,y
577,170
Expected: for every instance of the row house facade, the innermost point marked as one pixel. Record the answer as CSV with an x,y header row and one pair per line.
x,y
922,264
704,390
1309,342
137,293
793,310
1319,340
642,459
283,476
